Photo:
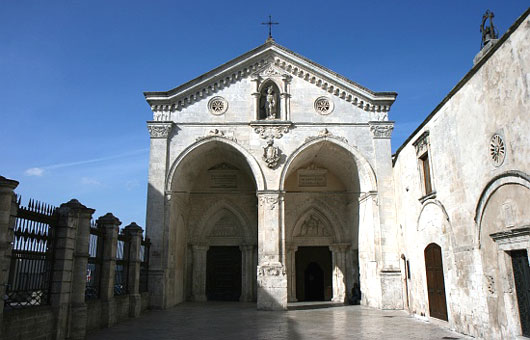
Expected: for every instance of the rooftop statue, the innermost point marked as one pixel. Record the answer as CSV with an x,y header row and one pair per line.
x,y
488,32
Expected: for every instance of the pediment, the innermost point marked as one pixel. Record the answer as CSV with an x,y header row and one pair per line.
x,y
266,61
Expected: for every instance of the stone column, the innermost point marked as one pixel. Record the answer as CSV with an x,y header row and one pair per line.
x,y
388,259
272,280
8,212
134,232
109,226
285,98
199,272
291,272
257,79
338,267
248,271
78,309
156,224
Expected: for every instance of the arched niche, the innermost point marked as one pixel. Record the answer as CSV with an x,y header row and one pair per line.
x,y
269,107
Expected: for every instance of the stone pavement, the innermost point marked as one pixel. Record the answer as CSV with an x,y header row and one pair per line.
x,y
233,321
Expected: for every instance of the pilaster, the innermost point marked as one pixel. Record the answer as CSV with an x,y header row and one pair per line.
x,y
109,226
339,266
291,272
248,272
134,232
8,213
156,225
388,259
272,279
199,272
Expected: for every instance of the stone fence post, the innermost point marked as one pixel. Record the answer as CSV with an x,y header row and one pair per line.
x,y
63,266
108,225
135,242
78,308
8,212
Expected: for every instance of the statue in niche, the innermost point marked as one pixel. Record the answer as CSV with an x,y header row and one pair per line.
x,y
269,102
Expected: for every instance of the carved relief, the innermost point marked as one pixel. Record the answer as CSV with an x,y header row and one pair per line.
x,y
217,105
271,154
325,133
225,227
268,132
217,133
422,143
323,105
490,284
497,150
271,270
269,201
313,227
381,131
159,130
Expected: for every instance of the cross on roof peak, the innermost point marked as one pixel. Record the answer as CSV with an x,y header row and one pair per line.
x,y
270,23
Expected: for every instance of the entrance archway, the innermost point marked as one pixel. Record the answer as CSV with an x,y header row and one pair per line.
x,y
322,184
214,242
313,274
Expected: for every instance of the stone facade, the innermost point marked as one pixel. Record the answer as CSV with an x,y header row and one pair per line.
x,y
284,159
478,153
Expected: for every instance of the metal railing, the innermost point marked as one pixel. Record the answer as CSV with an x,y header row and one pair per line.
x,y
144,265
122,266
29,282
95,261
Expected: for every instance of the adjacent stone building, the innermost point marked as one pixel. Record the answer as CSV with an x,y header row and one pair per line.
x,y
271,179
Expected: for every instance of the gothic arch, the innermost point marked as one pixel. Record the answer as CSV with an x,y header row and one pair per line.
x,y
367,178
330,224
509,177
204,226
251,161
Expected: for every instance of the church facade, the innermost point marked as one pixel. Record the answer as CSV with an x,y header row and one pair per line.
x,y
271,179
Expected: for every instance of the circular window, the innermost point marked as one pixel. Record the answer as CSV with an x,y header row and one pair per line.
x,y
217,105
497,150
323,105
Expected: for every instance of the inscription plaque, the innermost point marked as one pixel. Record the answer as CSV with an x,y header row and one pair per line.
x,y
223,176
312,176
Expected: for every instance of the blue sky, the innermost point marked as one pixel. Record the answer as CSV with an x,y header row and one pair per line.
x,y
72,74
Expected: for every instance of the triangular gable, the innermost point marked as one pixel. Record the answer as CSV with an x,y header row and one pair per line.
x,y
276,60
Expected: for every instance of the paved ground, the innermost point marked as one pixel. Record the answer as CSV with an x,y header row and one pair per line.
x,y
236,321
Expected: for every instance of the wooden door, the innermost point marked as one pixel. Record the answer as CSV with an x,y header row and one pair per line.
x,y
223,273
435,282
521,275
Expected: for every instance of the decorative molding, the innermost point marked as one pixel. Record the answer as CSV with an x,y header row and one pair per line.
x,y
269,201
325,133
271,130
271,154
381,130
497,149
422,143
159,129
271,269
216,133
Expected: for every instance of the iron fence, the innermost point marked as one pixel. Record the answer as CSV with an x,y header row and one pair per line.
x,y
29,282
122,265
144,265
95,260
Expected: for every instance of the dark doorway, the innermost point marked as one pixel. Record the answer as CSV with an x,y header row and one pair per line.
x,y
313,274
521,275
435,281
223,274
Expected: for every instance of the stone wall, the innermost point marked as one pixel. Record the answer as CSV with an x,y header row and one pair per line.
x,y
25,324
468,167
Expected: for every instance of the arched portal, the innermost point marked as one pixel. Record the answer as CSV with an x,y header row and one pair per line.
x,y
324,182
213,222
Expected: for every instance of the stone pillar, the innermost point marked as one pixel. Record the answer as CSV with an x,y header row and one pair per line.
x,y
291,272
248,272
134,232
388,258
78,309
285,98
8,212
339,267
109,226
272,280
156,224
257,79
199,272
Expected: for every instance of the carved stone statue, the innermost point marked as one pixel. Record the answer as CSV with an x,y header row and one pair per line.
x,y
488,32
271,104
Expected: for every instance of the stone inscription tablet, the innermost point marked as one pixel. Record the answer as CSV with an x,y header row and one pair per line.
x,y
223,176
312,177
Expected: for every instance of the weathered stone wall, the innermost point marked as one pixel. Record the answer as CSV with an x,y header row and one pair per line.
x,y
28,324
493,99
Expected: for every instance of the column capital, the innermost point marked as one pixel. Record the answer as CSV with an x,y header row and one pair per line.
x,y
247,247
292,247
160,129
381,129
200,247
339,247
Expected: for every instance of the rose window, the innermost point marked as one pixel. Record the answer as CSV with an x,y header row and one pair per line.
x,y
323,105
217,105
497,150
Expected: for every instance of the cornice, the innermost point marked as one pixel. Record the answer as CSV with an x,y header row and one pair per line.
x,y
268,54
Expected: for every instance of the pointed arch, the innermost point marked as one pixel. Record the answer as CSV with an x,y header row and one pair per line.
x,y
194,147
330,224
